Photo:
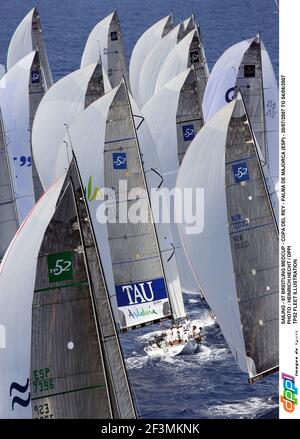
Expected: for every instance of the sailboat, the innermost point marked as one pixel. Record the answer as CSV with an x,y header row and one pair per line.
x,y
70,345
61,104
236,257
28,37
246,67
142,47
105,45
137,257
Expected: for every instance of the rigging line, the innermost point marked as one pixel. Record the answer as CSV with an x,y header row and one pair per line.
x,y
140,123
162,178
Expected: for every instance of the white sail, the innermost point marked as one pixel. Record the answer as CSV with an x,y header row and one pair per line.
x,y
141,49
153,63
28,37
220,86
14,101
105,45
221,256
17,274
189,51
59,107
87,135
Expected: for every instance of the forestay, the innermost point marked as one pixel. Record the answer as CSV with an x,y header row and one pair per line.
x,y
238,267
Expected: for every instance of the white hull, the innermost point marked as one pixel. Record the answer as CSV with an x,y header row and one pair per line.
x,y
171,351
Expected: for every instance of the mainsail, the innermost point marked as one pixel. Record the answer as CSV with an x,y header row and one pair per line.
x,y
105,45
28,37
238,269
141,49
62,103
173,128
77,368
8,210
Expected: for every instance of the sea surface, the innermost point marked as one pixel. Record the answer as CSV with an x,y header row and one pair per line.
x,y
207,384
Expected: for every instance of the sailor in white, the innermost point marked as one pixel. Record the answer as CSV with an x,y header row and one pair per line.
x,y
169,338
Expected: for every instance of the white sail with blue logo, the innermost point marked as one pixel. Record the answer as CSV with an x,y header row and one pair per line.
x,y
153,63
141,49
246,66
189,52
137,258
17,274
236,257
28,37
14,102
105,45
59,108
173,128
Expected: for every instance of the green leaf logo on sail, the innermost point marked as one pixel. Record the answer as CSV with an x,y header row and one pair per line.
x,y
92,195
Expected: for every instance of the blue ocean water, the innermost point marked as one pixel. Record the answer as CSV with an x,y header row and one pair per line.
x,y
207,384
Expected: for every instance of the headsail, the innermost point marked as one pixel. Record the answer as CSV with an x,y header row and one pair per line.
x,y
59,107
9,221
14,103
141,49
224,160
154,61
77,368
105,45
28,37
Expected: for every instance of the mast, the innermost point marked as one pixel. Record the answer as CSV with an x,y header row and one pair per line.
x,y
72,371
254,242
9,221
